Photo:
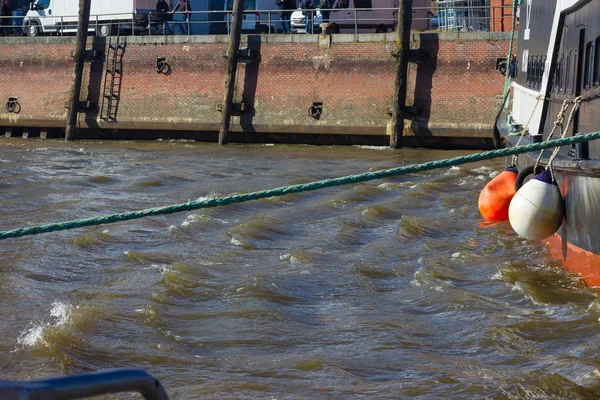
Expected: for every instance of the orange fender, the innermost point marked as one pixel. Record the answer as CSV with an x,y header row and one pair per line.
x,y
495,197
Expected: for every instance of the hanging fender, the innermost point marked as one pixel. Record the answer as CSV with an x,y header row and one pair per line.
x,y
525,173
538,208
496,196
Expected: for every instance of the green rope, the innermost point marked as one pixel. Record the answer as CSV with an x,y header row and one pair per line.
x,y
282,191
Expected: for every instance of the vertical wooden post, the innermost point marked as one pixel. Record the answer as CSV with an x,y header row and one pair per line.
x,y
402,56
78,62
232,64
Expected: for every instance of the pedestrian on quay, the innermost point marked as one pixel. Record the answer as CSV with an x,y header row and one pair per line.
x,y
186,8
18,16
162,12
512,67
308,7
5,18
325,10
287,8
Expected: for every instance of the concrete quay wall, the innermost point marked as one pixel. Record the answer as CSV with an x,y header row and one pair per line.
x,y
454,87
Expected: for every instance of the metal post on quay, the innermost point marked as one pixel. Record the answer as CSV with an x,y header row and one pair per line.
x,y
402,56
78,63
232,64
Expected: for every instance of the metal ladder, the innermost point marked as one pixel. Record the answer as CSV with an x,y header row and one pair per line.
x,y
112,79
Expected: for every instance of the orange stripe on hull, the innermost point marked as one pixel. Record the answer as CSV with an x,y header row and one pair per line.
x,y
577,260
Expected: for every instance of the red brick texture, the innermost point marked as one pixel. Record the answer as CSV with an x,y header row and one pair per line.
x,y
455,86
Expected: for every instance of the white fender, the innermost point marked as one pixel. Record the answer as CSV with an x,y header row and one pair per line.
x,y
537,210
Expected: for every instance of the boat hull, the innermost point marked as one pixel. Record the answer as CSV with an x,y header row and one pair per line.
x,y
575,243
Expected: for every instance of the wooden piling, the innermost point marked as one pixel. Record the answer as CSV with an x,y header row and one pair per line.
x,y
78,63
232,64
402,56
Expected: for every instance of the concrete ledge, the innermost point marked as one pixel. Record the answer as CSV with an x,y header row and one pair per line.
x,y
272,38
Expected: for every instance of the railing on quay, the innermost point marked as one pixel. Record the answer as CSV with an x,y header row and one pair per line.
x,y
342,20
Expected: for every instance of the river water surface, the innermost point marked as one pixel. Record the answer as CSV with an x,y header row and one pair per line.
x,y
393,288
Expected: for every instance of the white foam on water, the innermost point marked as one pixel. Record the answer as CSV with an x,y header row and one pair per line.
x,y
452,169
236,241
59,316
373,147
485,170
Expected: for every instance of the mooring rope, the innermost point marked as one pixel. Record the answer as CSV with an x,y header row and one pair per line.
x,y
282,191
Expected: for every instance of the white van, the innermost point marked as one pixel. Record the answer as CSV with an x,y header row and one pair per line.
x,y
374,16
250,18
54,16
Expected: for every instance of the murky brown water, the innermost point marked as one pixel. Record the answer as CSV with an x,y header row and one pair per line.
x,y
389,289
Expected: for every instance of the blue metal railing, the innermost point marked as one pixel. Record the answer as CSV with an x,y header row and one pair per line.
x,y
85,385
343,20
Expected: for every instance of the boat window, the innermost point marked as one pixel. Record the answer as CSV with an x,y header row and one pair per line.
x,y
542,69
597,63
363,4
529,71
573,58
587,66
567,68
43,4
536,71
558,74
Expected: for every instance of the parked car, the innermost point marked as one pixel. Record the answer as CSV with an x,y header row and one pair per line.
x,y
54,16
298,21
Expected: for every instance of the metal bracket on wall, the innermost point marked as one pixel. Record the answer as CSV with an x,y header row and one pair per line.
x,y
87,105
410,112
245,55
12,105
315,110
90,55
417,56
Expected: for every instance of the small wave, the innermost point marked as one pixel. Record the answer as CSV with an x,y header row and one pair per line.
x,y
261,228
100,179
94,239
380,212
150,183
193,219
258,290
60,315
418,227
134,256
298,257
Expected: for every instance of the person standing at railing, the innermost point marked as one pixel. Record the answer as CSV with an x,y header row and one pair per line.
x,y
18,16
308,7
162,10
186,8
287,8
5,18
325,10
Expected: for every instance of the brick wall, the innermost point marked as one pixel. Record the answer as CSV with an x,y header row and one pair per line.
x,y
455,85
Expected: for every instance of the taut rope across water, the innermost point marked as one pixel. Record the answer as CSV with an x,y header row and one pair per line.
x,y
282,191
